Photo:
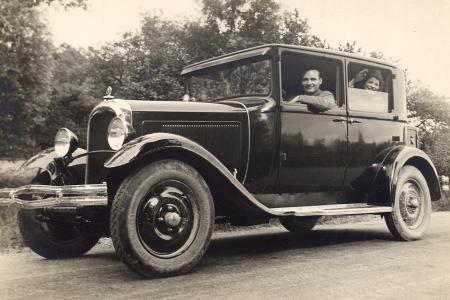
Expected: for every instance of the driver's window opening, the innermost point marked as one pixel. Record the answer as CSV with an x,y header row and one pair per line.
x,y
369,89
293,68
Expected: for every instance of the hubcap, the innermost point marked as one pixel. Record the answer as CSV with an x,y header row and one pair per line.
x,y
172,219
167,219
411,204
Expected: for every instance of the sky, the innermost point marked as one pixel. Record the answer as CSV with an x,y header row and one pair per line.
x,y
414,32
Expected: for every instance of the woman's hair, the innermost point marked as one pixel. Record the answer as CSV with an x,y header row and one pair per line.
x,y
375,74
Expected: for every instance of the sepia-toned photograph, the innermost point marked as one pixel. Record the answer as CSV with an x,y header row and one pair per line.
x,y
224,149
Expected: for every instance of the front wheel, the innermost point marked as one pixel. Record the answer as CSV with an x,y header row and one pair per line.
x,y
52,239
162,219
411,213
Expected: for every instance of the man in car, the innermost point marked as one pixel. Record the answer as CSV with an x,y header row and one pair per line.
x,y
312,95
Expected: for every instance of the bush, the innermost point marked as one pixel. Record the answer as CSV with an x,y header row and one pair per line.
x,y
443,204
9,230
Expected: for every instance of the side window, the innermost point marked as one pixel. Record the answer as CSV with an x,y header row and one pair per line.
x,y
294,67
369,89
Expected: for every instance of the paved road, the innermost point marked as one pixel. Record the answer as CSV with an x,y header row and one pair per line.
x,y
353,261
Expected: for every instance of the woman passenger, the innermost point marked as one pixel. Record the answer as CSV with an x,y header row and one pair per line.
x,y
368,80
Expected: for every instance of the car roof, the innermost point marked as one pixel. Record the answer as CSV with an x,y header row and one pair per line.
x,y
264,49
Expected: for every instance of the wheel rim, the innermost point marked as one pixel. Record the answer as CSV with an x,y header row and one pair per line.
x,y
411,204
167,219
62,233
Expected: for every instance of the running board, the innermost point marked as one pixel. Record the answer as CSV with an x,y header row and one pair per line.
x,y
331,210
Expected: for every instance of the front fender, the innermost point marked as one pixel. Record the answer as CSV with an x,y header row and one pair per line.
x,y
45,157
382,190
156,143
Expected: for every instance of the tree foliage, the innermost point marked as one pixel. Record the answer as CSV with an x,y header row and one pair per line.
x,y
241,24
436,145
26,67
66,4
427,111
25,70
71,97
145,65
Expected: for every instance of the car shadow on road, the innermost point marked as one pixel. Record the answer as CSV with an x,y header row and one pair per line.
x,y
233,247
280,241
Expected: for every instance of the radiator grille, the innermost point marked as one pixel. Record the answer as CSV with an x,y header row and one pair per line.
x,y
98,140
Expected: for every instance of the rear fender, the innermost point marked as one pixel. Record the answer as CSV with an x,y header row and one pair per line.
x,y
382,189
151,147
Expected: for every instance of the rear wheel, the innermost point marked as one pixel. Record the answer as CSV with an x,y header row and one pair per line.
x,y
411,213
52,239
299,224
162,219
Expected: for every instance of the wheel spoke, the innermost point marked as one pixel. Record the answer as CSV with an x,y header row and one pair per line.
x,y
410,203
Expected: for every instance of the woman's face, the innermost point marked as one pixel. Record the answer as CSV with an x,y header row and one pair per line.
x,y
372,84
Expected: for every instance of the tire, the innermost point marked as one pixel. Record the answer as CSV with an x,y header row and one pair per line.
x,y
52,240
299,224
411,213
162,219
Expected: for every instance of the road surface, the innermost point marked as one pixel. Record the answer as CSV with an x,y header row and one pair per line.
x,y
351,261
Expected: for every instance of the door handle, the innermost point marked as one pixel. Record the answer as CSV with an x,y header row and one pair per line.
x,y
352,121
340,120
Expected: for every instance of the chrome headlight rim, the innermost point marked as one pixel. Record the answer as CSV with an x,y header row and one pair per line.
x,y
66,142
119,141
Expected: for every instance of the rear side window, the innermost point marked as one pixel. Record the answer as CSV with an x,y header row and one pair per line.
x,y
369,89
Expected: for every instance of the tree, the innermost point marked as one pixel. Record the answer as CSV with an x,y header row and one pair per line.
x,y
66,4
144,65
350,47
295,30
25,73
431,114
25,70
72,94
437,146
246,23
426,110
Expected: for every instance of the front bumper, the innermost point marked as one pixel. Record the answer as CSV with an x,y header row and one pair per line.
x,y
42,196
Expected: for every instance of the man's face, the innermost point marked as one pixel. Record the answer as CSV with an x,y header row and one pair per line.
x,y
311,82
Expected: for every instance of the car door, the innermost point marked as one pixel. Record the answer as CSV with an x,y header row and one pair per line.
x,y
373,123
313,145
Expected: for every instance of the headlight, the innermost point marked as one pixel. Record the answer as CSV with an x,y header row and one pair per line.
x,y
65,142
117,133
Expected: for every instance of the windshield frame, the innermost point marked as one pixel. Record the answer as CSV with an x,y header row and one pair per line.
x,y
239,60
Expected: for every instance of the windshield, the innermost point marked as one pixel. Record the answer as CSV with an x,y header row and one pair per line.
x,y
241,78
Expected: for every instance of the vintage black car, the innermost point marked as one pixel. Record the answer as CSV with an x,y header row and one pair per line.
x,y
240,147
